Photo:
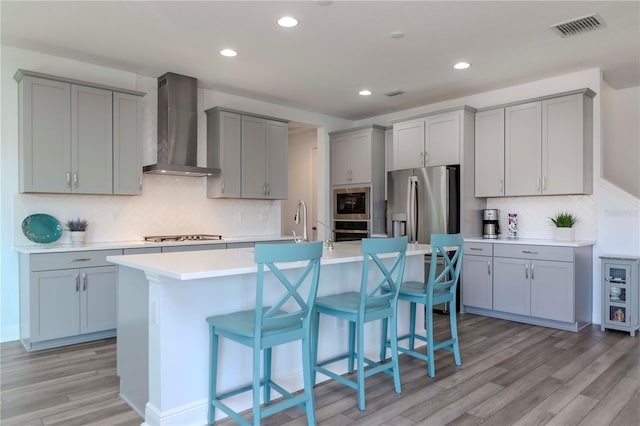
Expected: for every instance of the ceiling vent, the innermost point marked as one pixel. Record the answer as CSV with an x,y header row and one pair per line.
x,y
578,25
395,93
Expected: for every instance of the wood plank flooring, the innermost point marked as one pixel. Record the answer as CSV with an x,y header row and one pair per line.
x,y
512,374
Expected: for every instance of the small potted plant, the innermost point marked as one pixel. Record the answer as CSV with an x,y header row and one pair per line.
x,y
77,227
564,226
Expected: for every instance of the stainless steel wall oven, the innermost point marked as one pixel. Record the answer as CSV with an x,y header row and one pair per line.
x,y
346,230
351,203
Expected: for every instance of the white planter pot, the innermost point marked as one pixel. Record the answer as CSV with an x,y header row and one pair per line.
x,y
77,237
564,234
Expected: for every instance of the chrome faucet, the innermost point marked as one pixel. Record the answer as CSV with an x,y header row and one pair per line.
x,y
304,219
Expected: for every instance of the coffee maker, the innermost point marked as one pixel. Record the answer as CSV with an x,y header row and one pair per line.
x,y
490,223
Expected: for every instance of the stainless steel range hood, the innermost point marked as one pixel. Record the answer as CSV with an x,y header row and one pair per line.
x,y
178,128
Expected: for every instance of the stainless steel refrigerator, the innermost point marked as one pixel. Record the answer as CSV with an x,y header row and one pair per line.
x,y
421,202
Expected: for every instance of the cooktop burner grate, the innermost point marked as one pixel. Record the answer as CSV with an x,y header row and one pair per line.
x,y
180,238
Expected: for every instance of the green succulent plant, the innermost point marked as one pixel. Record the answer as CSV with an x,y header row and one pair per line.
x,y
77,224
564,220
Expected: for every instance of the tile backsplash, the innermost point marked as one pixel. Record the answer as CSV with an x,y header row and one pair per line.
x,y
534,212
169,205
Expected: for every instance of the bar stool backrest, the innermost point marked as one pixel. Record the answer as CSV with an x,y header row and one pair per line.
x,y
294,303
372,296
447,247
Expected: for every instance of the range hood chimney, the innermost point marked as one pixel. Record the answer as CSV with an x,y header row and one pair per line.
x,y
178,128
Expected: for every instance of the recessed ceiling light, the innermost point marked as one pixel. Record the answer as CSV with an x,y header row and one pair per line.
x,y
462,65
396,34
228,52
287,22
323,2
364,92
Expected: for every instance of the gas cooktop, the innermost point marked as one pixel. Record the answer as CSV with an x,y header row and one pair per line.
x,y
180,238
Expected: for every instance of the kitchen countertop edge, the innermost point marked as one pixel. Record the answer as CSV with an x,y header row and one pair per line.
x,y
67,247
531,241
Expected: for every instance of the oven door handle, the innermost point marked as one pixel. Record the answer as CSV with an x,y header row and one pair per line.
x,y
349,231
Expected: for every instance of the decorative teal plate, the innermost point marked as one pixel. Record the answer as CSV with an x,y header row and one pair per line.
x,y
41,228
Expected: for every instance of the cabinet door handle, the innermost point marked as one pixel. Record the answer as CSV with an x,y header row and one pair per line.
x,y
538,183
475,249
426,158
526,271
75,179
222,187
488,267
69,179
529,252
533,267
264,188
501,186
140,182
84,282
81,259
268,188
544,183
77,282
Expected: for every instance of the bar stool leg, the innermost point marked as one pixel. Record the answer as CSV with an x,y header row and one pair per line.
x,y
307,369
256,385
394,354
412,325
213,374
266,365
360,365
352,331
454,335
430,352
383,340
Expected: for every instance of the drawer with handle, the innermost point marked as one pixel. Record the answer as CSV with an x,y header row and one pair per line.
x,y
480,249
524,251
71,259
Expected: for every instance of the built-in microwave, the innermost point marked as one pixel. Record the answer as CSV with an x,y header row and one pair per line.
x,y
351,203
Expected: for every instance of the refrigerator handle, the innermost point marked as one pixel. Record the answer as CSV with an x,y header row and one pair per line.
x,y
412,231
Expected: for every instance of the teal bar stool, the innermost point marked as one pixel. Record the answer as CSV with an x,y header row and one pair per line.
x,y
370,304
439,288
275,325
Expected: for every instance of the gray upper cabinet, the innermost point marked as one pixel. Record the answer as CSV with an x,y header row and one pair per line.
x,y
277,159
351,156
567,145
251,152
430,141
45,135
91,140
127,149
547,147
224,130
523,150
489,153
78,137
408,145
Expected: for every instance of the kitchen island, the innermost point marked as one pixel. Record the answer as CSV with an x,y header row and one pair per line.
x,y
163,338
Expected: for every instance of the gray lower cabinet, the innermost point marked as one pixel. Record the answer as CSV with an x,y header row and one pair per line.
x,y
477,275
544,285
78,137
66,298
620,296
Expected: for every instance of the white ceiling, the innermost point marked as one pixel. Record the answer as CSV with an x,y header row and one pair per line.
x,y
337,49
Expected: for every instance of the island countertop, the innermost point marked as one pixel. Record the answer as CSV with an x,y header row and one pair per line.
x,y
220,263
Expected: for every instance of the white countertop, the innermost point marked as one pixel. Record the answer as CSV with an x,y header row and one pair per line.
x,y
218,263
53,248
532,241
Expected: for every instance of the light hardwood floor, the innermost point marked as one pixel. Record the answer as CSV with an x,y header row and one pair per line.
x,y
512,374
